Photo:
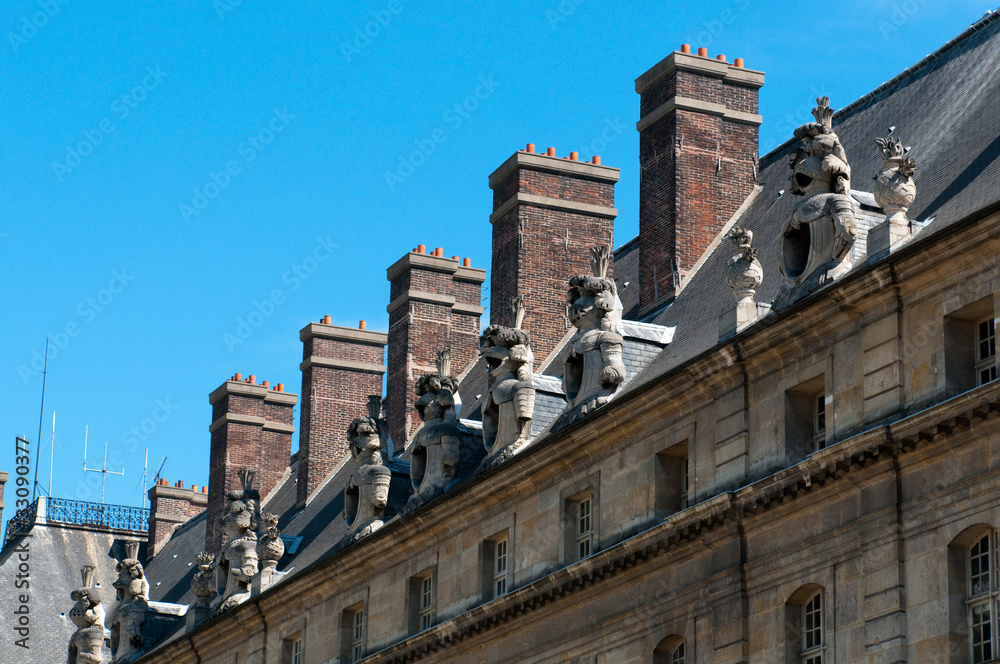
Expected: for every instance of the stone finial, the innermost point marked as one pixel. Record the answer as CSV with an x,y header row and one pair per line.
x,y
270,546
744,272
203,587
510,403
816,240
132,590
894,187
594,369
86,646
367,492
434,453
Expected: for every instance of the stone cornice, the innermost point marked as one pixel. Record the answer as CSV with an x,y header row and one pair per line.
x,y
556,165
420,296
473,275
699,65
252,390
177,493
348,365
553,204
467,309
429,262
338,333
252,420
697,106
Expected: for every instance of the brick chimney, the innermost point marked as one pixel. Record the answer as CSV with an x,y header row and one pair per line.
x,y
251,428
169,507
434,304
547,214
341,367
698,147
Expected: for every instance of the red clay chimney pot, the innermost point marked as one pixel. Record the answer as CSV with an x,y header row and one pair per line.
x,y
738,62
685,48
551,152
362,325
703,52
531,148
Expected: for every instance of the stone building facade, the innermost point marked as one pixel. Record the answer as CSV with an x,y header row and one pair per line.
x,y
793,451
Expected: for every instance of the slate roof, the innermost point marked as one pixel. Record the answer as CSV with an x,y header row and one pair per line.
x,y
944,107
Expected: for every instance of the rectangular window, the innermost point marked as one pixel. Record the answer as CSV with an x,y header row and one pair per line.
x,y
673,480
426,603
297,651
986,351
584,529
500,568
982,599
291,649
819,421
805,419
812,630
358,636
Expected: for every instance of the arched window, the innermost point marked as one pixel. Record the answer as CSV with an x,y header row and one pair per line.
x,y
981,595
805,622
671,650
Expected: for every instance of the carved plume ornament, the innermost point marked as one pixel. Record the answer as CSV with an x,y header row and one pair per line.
x,y
510,402
594,369
894,186
132,590
817,238
367,492
87,645
435,452
744,272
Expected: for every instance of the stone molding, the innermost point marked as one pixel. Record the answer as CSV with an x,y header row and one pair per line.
x,y
348,365
252,390
424,262
696,106
177,493
553,204
420,296
556,165
161,517
697,64
467,309
473,275
252,420
338,333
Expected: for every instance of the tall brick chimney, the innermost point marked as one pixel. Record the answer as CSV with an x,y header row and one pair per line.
x,y
434,304
169,507
341,367
547,213
697,157
251,428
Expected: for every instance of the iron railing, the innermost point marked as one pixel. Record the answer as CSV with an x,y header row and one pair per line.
x,y
21,522
83,513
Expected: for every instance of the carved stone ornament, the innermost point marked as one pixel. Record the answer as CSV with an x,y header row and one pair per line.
x,y
894,187
87,645
435,453
270,547
744,272
594,369
237,562
132,590
816,240
203,581
367,491
510,402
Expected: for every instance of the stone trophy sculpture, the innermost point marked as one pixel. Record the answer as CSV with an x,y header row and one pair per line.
x,y
510,403
132,590
817,239
86,646
894,187
367,491
237,562
594,369
435,452
270,546
203,588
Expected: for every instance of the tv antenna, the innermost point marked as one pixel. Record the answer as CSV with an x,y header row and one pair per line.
x,y
103,470
41,417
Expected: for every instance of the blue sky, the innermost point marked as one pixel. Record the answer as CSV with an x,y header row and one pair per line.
x,y
169,168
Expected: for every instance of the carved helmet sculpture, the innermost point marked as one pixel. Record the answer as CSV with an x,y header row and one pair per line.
x,y
817,238
132,591
367,492
87,645
510,403
237,562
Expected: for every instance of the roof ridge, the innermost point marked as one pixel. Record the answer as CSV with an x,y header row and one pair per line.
x,y
991,16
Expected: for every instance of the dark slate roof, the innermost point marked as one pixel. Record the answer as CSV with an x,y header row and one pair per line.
x,y
170,571
943,107
549,402
627,279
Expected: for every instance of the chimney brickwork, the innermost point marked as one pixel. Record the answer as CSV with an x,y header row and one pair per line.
x,y
341,368
698,142
169,507
547,214
252,427
434,304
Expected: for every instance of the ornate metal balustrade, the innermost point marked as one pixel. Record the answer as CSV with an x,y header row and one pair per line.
x,y
82,513
21,522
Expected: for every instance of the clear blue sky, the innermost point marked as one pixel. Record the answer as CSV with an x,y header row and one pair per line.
x,y
167,166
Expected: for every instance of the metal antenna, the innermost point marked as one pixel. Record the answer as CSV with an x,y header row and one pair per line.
x,y
103,470
41,417
52,450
